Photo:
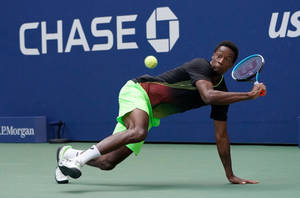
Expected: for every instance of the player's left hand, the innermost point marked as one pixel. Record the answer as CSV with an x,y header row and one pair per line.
x,y
237,180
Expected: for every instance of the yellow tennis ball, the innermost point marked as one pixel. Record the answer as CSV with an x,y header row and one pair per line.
x,y
150,62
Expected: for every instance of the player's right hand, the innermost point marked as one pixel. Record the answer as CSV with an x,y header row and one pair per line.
x,y
257,89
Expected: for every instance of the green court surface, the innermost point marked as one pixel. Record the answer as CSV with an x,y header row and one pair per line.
x,y
161,170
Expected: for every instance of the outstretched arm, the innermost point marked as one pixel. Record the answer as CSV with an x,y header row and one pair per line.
x,y
223,145
211,96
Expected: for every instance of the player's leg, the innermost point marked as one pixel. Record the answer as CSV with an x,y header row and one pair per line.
x,y
104,162
137,129
109,160
136,123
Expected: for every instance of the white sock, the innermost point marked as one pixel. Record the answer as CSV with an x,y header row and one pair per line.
x,y
72,153
88,155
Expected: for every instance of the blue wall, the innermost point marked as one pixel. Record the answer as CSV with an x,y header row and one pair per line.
x,y
69,81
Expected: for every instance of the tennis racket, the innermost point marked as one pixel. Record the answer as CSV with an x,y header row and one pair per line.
x,y
247,68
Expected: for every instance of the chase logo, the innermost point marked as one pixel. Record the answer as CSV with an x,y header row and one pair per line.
x,y
113,37
162,14
277,29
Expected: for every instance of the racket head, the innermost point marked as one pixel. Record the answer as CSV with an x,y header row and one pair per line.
x,y
248,67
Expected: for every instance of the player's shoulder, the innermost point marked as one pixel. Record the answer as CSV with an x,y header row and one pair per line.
x,y
198,63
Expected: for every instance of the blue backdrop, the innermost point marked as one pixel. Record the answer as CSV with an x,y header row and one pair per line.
x,y
97,46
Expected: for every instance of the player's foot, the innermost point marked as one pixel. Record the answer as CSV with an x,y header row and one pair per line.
x,y
70,167
60,177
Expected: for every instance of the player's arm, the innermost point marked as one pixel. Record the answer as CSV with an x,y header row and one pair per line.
x,y
223,145
211,96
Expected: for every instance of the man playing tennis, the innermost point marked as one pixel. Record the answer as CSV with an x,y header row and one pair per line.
x,y
146,99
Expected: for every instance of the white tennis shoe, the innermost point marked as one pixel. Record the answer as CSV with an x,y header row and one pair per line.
x,y
70,167
60,178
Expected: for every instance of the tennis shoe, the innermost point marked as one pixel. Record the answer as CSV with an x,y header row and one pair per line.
x,y
70,167
60,178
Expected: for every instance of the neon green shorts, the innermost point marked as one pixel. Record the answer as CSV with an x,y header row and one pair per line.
x,y
133,96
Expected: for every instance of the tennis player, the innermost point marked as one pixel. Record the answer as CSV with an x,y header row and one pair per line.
x,y
145,100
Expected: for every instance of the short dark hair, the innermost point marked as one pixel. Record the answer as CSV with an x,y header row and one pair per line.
x,y
230,45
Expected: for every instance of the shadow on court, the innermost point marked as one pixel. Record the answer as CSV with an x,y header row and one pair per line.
x,y
128,187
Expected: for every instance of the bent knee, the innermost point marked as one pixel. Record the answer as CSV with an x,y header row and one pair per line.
x,y
138,135
106,165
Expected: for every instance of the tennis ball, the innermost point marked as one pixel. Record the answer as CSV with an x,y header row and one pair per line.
x,y
150,62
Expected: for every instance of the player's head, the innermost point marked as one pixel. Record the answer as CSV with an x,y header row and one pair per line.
x,y
225,54
230,45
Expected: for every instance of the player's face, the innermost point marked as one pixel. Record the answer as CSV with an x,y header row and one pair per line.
x,y
222,59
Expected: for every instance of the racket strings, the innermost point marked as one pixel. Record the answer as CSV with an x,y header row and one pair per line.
x,y
248,68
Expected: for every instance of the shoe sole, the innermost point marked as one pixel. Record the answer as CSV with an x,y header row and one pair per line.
x,y
62,182
72,172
